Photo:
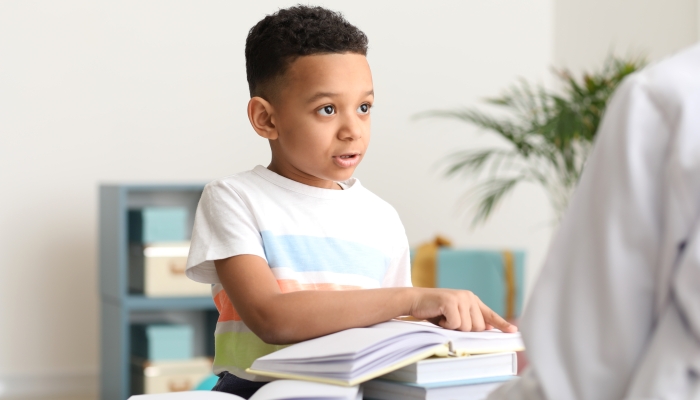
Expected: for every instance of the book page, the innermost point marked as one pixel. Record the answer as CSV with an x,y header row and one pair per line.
x,y
487,341
290,389
192,395
343,345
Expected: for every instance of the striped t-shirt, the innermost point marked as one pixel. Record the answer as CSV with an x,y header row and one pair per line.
x,y
312,239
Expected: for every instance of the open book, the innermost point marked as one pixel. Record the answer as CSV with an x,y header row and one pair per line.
x,y
277,390
353,356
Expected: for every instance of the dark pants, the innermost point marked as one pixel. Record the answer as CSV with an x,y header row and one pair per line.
x,y
230,383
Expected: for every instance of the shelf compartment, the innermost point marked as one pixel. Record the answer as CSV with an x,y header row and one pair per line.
x,y
136,302
119,308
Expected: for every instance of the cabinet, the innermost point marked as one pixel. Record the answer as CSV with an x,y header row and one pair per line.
x,y
119,307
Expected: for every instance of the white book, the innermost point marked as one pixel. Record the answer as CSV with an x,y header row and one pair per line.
x,y
442,369
472,389
276,390
357,355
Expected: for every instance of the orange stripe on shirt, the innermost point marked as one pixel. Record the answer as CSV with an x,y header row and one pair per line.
x,y
228,313
226,310
291,285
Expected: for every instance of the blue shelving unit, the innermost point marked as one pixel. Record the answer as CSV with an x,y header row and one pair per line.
x,y
119,307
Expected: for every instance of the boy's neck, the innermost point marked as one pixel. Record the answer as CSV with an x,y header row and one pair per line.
x,y
290,172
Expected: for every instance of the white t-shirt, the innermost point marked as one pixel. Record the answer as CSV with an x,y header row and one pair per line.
x,y
312,239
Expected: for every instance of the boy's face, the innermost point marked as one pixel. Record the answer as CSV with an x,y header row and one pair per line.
x,y
321,118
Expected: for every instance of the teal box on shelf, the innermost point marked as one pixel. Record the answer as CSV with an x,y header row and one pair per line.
x,y
497,277
158,224
162,342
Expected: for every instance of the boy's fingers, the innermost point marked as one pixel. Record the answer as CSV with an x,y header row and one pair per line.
x,y
451,318
477,317
466,317
491,318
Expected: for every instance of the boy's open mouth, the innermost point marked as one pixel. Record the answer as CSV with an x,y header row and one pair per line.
x,y
347,160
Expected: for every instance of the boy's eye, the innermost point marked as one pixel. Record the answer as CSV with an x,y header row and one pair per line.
x,y
363,109
327,110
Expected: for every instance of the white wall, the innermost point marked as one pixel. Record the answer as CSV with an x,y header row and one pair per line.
x,y
587,31
155,91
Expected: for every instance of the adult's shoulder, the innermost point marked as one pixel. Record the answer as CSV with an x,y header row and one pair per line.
x,y
678,70
673,82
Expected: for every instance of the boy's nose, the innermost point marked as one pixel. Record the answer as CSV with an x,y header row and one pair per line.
x,y
351,129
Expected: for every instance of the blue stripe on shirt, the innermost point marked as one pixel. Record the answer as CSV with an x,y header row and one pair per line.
x,y
313,253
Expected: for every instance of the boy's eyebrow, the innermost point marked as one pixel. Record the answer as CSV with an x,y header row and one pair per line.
x,y
321,95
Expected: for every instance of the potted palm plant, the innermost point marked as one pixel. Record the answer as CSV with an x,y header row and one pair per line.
x,y
548,135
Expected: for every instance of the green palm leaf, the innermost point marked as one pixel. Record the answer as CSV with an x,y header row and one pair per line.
x,y
548,136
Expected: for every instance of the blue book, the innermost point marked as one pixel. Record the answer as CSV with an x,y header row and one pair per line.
x,y
469,389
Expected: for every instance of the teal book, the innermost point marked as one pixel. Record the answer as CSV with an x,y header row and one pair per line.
x,y
485,272
496,276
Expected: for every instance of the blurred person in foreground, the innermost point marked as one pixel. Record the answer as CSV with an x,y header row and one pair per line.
x,y
615,313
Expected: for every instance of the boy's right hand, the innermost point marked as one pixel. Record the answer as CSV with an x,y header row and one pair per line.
x,y
456,309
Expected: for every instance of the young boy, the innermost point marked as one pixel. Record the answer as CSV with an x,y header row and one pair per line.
x,y
300,249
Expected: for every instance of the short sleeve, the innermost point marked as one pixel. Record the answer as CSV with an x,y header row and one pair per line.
x,y
399,272
223,227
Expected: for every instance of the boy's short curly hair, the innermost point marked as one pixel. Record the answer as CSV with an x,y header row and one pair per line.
x,y
280,38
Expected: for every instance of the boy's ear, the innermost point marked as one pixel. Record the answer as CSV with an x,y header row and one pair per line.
x,y
260,115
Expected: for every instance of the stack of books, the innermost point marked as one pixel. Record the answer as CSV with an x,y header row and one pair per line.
x,y
398,359
471,377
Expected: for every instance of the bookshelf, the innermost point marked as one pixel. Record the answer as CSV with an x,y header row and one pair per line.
x,y
119,308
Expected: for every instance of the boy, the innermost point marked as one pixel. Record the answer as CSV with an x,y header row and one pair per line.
x,y
289,247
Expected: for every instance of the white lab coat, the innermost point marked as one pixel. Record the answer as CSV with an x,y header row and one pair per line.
x,y
615,313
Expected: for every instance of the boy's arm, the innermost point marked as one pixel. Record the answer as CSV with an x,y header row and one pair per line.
x,y
282,318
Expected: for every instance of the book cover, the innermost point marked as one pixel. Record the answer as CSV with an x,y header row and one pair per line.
x,y
472,389
441,369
